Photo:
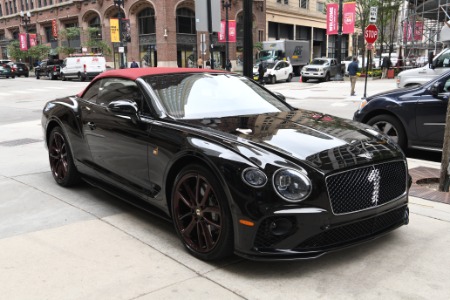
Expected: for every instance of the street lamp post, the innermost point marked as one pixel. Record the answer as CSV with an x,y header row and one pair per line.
x,y
26,18
120,3
226,5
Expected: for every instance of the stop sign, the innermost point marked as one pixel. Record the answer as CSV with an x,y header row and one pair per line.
x,y
371,33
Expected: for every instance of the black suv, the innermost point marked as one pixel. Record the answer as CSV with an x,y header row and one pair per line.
x,y
20,69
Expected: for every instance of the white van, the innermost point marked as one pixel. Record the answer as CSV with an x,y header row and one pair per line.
x,y
418,76
82,67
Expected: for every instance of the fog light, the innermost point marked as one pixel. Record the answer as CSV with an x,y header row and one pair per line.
x,y
281,226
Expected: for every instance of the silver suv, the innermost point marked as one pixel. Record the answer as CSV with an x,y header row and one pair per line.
x,y
320,68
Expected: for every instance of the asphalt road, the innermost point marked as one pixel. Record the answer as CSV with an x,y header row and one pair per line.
x,y
82,243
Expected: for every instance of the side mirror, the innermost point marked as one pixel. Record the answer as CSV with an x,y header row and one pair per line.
x,y
125,107
435,89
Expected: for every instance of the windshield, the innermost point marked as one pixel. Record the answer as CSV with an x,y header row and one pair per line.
x,y
196,96
319,61
265,54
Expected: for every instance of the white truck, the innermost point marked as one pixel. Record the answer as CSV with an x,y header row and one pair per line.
x,y
296,52
419,76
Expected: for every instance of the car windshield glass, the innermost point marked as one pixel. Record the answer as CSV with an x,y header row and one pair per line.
x,y
194,96
270,65
265,54
319,61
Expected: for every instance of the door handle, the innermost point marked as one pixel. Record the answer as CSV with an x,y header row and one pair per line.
x,y
91,125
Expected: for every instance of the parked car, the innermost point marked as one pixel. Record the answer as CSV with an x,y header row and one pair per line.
x,y
276,71
20,69
234,166
6,71
418,76
83,67
320,68
50,68
413,117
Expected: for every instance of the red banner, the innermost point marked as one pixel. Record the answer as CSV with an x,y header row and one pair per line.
x,y
332,18
32,39
408,31
54,29
231,31
348,17
23,41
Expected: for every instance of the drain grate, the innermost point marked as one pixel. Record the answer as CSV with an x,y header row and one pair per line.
x,y
19,142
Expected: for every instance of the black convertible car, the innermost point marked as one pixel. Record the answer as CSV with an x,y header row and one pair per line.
x,y
233,165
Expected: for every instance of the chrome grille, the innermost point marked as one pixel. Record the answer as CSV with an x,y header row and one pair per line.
x,y
368,187
312,69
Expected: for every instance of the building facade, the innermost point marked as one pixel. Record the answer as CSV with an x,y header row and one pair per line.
x,y
303,20
162,32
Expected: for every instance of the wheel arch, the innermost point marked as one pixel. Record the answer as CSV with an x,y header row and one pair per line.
x,y
380,112
193,158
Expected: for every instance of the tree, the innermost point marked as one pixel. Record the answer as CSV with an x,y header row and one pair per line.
x,y
69,34
95,42
36,52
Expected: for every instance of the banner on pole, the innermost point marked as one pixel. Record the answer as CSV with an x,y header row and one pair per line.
x,y
408,31
23,41
348,17
332,18
231,31
114,29
54,29
32,39
125,27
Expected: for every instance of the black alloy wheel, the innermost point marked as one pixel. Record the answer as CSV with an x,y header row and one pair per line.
x,y
61,162
390,126
201,215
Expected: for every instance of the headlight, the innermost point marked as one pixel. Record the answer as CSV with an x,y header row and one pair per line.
x,y
320,69
291,185
254,177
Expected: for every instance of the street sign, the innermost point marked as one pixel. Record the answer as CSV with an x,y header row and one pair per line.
x,y
371,33
369,47
373,14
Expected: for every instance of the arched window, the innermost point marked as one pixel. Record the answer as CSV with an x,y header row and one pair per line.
x,y
146,21
185,21
95,23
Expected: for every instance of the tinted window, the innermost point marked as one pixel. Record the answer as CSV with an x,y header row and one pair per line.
x,y
193,96
92,93
319,62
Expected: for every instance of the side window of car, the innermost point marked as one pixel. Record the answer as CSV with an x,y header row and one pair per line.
x,y
92,93
113,89
443,61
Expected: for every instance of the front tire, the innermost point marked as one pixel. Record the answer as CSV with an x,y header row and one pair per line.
x,y
327,77
273,79
61,161
304,79
63,78
390,126
201,214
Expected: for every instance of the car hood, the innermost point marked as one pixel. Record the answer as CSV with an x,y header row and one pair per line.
x,y
397,93
412,72
322,141
316,66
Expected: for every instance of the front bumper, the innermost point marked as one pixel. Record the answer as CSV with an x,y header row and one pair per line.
x,y
317,74
313,234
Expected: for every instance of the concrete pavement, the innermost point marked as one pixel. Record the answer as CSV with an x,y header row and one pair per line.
x,y
82,243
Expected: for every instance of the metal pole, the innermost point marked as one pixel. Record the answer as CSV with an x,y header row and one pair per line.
x,y
227,56
338,76
208,7
367,73
119,16
248,38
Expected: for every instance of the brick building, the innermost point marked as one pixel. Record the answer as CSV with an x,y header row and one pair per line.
x,y
163,32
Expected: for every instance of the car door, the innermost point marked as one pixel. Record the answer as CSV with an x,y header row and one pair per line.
x,y
281,70
431,112
118,142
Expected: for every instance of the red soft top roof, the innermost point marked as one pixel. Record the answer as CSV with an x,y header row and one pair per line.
x,y
134,73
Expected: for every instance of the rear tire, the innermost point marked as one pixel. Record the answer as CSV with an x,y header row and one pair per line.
x,y
289,78
63,78
200,213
